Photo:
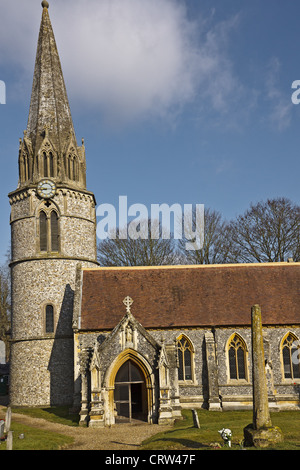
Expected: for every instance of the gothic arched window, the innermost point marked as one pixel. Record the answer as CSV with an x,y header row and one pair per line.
x,y
49,319
185,357
69,167
48,164
25,170
51,165
45,159
54,231
237,353
43,232
290,350
26,167
49,231
72,167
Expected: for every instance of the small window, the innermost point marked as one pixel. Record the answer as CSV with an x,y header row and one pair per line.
x,y
69,167
43,232
45,158
54,231
48,164
26,168
74,169
49,319
51,165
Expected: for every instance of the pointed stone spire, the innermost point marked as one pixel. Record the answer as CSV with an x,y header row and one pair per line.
x,y
49,107
49,147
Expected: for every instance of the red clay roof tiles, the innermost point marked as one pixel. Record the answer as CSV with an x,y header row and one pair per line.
x,y
191,296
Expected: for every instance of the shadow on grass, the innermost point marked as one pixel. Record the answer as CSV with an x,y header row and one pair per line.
x,y
62,414
54,414
187,443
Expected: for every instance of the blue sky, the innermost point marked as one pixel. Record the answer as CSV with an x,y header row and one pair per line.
x,y
179,101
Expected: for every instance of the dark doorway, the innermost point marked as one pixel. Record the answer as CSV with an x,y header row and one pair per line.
x,y
130,393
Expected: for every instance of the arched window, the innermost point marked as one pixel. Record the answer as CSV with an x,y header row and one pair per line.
x,y
71,167
48,164
26,168
54,231
290,357
237,358
74,169
185,357
22,169
45,158
49,319
49,231
43,232
51,165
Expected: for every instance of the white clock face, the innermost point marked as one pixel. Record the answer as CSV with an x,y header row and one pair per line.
x,y
46,189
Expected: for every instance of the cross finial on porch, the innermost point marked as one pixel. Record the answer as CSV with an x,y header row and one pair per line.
x,y
128,302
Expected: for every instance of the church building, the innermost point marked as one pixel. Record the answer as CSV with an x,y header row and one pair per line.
x,y
119,344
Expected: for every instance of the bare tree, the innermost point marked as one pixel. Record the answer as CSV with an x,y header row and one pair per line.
x,y
142,251
216,246
5,308
267,232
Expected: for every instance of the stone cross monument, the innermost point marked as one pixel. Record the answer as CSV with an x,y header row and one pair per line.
x,y
260,433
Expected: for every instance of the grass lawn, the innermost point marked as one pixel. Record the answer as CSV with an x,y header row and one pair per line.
x,y
183,436
35,439
38,439
55,414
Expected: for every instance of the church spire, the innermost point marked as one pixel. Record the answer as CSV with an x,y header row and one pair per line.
x,y
49,102
50,127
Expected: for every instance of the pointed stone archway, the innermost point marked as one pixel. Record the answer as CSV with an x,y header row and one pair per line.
x,y
131,388
130,395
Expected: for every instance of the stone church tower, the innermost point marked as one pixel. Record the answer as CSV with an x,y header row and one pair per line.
x,y
53,230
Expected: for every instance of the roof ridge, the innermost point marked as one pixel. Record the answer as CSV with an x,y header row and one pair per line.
x,y
192,266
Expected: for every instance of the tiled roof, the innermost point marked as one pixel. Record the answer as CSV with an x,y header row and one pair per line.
x,y
191,296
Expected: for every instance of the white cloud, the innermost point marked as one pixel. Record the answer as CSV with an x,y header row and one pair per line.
x,y
133,57
280,107
130,58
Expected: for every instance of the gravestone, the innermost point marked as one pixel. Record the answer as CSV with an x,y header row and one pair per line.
x,y
195,419
7,419
2,424
9,441
260,433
